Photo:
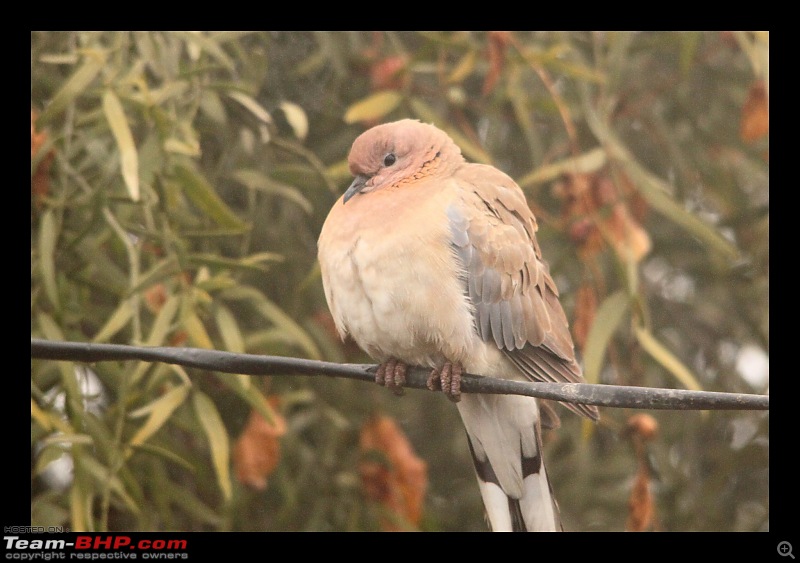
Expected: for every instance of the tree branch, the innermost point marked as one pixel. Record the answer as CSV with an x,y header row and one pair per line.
x,y
601,395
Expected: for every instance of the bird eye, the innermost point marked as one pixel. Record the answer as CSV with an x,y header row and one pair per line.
x,y
389,159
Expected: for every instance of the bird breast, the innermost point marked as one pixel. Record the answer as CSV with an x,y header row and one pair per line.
x,y
392,279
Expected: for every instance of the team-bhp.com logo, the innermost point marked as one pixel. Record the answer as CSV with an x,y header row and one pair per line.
x,y
94,547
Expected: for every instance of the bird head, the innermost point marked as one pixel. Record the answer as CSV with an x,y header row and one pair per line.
x,y
397,152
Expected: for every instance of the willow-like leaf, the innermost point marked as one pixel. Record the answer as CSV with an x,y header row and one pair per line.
x,y
251,105
200,192
255,180
129,157
209,46
79,507
463,67
46,456
160,410
375,106
60,439
655,190
218,440
95,60
586,163
231,337
667,359
197,331
116,322
297,119
158,332
605,324
162,270
164,453
187,500
278,317
428,115
249,393
252,263
49,421
48,236
104,477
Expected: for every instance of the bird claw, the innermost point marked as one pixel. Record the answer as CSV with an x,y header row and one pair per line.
x,y
448,379
392,375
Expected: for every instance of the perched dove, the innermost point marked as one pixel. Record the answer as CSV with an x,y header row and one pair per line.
x,y
429,260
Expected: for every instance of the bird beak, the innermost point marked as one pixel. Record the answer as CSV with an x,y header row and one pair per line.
x,y
358,184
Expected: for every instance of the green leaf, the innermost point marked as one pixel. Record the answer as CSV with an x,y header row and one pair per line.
x,y
605,323
160,410
105,477
103,442
655,190
578,71
95,59
229,329
374,106
47,456
470,149
224,279
518,95
297,119
250,263
689,42
48,236
162,270
187,500
166,454
163,322
48,420
57,439
667,359
66,369
180,372
80,503
48,326
196,330
249,393
585,163
278,317
174,89
158,333
283,321
255,180
59,58
129,157
756,46
212,106
177,146
116,322
463,68
209,46
250,104
218,440
200,192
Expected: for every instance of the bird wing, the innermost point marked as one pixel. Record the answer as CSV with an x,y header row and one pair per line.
x,y
493,233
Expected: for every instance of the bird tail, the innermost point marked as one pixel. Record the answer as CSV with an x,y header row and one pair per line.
x,y
507,453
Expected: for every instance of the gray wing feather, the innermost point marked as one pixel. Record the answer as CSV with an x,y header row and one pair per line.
x,y
515,300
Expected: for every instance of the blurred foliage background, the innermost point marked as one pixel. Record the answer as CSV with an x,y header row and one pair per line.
x,y
178,185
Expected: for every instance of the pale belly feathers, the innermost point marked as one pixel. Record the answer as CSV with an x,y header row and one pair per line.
x,y
397,293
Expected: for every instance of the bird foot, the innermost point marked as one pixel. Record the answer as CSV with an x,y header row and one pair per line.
x,y
448,379
392,375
